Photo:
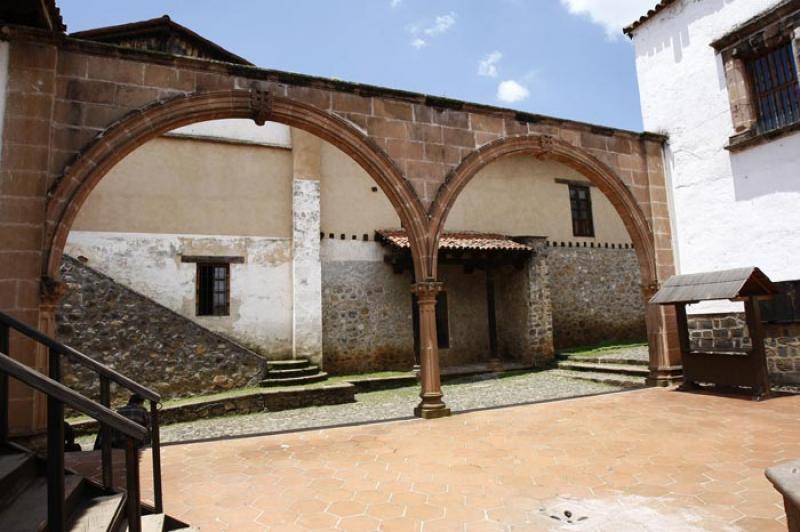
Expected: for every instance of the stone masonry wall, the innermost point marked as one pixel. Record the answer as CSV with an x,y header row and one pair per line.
x,y
596,296
366,318
728,332
144,341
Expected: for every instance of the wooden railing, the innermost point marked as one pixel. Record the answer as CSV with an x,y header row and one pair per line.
x,y
57,396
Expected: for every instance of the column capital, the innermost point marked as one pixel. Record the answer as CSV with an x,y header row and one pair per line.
x,y
427,290
51,291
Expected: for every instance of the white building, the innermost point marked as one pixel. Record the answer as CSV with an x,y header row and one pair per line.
x,y
719,78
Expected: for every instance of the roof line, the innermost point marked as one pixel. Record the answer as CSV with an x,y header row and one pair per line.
x,y
658,8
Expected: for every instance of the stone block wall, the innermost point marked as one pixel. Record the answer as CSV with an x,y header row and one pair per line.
x,y
366,317
144,340
596,295
728,332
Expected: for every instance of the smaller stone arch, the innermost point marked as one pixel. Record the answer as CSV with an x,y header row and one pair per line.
x,y
547,147
142,125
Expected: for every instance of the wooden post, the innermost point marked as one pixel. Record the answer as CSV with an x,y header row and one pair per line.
x,y
492,313
755,328
5,332
106,458
56,516
431,404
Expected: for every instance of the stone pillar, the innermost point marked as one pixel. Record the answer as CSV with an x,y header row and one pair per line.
x,y
431,406
306,266
540,306
665,353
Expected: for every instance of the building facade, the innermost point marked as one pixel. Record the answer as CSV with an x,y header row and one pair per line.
x,y
720,80
302,240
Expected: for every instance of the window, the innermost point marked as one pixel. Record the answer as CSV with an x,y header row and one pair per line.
x,y
213,289
442,322
776,92
580,200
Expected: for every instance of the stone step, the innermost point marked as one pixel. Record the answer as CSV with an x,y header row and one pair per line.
x,y
604,359
619,369
295,381
287,364
292,373
612,379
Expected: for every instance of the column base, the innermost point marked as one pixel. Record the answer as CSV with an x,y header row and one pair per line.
x,y
664,377
425,412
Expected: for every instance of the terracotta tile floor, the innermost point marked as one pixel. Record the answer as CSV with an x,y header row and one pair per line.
x,y
652,459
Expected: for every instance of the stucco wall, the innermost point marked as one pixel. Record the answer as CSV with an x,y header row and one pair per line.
x,y
182,186
261,299
730,209
519,196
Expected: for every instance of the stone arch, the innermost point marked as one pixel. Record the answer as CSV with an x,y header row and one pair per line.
x,y
546,147
662,353
142,125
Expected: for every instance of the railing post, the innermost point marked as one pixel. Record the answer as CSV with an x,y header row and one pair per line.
x,y
132,481
106,457
5,332
56,518
155,441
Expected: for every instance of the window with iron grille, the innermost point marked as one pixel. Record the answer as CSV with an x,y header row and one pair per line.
x,y
580,200
775,88
213,289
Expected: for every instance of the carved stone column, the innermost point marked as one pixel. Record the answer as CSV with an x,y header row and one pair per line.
x,y
431,406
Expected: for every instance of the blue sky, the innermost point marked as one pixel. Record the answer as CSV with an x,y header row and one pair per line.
x,y
564,58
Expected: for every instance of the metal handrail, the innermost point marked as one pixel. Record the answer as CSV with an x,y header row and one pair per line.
x,y
55,418
57,396
97,367
71,398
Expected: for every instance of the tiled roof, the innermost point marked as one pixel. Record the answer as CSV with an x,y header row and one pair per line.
x,y
663,4
462,240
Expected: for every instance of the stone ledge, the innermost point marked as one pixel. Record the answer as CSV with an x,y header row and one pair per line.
x,y
267,400
785,477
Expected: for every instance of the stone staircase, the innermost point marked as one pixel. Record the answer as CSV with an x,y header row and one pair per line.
x,y
292,373
612,369
88,507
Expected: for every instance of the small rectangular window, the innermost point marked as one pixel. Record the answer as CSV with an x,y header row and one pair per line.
x,y
580,200
442,322
777,93
213,289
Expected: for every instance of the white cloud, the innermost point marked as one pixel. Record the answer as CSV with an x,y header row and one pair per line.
x,y
510,91
395,3
488,65
613,15
421,35
441,24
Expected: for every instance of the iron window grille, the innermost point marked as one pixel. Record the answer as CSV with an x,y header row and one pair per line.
x,y
775,88
580,199
213,289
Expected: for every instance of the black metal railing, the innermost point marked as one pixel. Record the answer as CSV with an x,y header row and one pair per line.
x,y
57,396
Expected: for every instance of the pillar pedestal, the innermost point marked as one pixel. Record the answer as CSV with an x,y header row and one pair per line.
x,y
431,405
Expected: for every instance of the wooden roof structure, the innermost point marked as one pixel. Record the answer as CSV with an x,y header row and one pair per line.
x,y
161,35
726,284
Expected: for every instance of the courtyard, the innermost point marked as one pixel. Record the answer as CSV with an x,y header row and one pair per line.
x,y
649,459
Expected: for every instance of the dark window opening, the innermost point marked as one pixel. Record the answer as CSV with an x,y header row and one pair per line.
x,y
784,307
775,87
442,322
213,289
580,200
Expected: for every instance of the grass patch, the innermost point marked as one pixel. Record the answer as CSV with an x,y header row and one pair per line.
x,y
602,349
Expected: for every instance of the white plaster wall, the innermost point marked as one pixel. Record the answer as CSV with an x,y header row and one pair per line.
x,y
731,210
4,47
237,129
261,287
351,250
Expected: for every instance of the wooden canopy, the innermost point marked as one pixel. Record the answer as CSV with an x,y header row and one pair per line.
x,y
726,284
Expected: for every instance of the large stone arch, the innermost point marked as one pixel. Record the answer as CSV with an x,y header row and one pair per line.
x,y
606,180
142,125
